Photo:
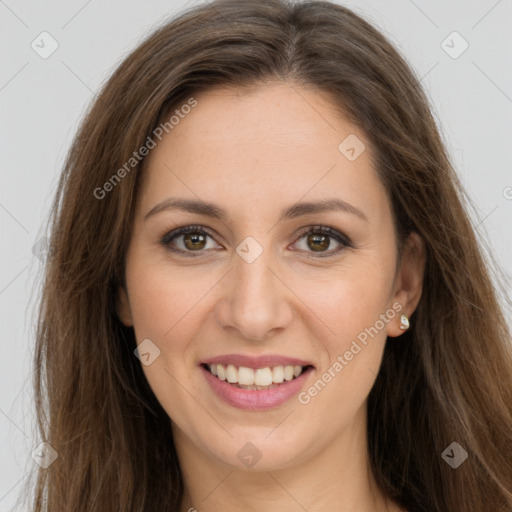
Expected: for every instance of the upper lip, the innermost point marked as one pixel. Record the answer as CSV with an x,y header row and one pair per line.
x,y
256,361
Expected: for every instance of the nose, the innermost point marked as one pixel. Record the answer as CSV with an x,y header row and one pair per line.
x,y
255,301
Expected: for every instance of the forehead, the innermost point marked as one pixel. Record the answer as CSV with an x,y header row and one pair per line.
x,y
271,145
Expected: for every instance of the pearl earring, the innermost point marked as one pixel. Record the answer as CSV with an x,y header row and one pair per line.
x,y
404,323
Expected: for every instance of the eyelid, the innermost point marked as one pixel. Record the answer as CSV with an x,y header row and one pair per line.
x,y
183,230
325,229
322,229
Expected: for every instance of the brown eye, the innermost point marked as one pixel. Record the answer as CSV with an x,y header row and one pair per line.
x,y
318,242
194,241
188,240
318,239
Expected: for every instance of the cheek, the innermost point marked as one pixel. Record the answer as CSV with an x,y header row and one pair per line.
x,y
171,305
351,305
165,303
166,309
353,353
340,310
355,308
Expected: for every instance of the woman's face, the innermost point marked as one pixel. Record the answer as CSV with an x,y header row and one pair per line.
x,y
263,291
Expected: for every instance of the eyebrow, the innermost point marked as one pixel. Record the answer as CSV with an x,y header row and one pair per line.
x,y
296,210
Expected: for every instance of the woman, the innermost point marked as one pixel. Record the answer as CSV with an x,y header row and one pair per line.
x,y
264,290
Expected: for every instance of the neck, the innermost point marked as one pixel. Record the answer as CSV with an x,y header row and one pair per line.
x,y
338,477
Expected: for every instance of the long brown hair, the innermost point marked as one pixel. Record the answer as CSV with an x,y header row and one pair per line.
x,y
447,379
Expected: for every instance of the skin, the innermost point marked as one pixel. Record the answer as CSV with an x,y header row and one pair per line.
x,y
254,153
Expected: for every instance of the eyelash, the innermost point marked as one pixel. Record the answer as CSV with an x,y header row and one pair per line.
x,y
317,230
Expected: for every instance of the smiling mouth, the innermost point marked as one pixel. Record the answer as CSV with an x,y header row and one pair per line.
x,y
267,377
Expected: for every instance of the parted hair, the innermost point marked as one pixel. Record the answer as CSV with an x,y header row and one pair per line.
x,y
446,379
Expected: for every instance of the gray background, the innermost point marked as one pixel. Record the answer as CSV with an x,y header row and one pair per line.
x,y
42,101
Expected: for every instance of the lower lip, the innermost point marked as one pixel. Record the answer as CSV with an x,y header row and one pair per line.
x,y
253,399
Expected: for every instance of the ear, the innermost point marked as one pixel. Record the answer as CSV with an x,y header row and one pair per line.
x,y
409,281
123,308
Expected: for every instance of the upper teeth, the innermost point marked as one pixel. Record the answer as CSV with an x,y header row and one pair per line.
x,y
259,377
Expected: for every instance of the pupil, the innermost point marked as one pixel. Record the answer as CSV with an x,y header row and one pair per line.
x,y
324,244
321,241
194,238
